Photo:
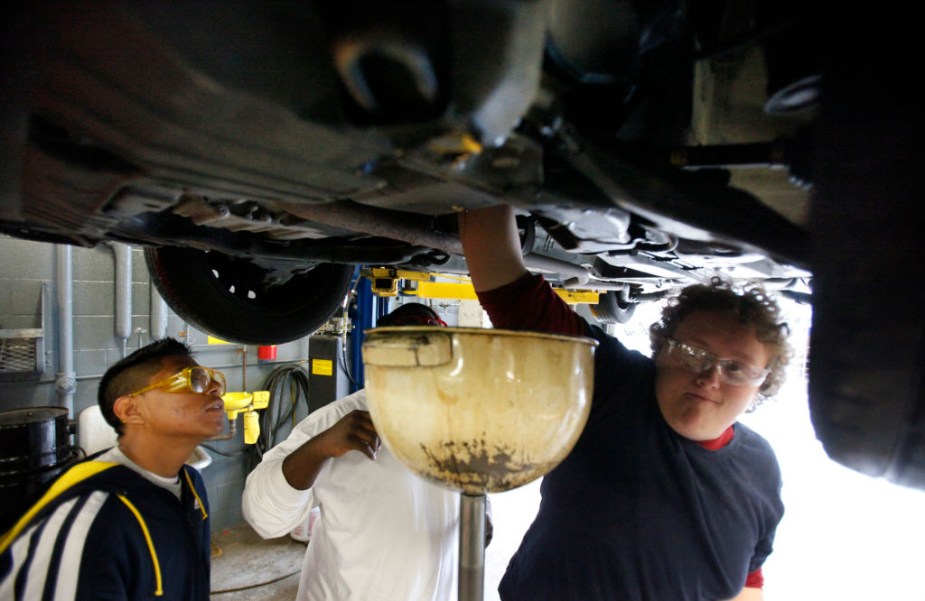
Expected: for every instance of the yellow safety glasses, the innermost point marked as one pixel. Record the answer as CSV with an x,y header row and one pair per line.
x,y
192,379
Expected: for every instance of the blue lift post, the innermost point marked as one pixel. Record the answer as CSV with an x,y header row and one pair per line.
x,y
369,310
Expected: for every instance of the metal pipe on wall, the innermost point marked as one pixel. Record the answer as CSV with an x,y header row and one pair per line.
x,y
123,283
158,315
66,379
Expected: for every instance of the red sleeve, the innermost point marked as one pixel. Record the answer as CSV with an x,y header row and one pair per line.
x,y
529,303
755,579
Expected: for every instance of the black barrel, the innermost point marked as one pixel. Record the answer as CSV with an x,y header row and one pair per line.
x,y
34,450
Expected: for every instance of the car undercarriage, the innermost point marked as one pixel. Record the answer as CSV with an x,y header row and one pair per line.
x,y
262,151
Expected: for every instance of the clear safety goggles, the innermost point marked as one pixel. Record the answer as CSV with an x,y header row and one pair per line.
x,y
192,379
697,360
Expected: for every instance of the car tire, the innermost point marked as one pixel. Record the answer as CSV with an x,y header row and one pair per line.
x,y
613,307
867,344
227,297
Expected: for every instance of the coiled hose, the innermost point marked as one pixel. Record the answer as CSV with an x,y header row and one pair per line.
x,y
288,387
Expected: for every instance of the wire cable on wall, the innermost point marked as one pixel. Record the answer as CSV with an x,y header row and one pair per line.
x,y
342,361
288,388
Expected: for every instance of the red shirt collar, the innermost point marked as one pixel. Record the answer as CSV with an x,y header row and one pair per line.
x,y
718,443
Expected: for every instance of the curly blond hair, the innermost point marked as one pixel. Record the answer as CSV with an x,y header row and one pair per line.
x,y
752,306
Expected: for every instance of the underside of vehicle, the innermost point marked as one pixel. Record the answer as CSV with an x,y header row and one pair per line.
x,y
261,151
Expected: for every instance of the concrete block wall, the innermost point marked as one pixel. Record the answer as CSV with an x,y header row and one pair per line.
x,y
27,275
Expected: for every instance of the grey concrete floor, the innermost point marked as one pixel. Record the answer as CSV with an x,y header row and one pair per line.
x,y
248,568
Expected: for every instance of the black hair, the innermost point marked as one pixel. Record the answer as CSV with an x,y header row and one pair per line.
x,y
132,373
397,316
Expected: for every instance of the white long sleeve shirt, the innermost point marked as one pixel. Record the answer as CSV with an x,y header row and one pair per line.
x,y
383,533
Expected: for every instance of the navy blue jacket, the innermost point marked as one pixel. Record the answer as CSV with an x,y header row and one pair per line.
x,y
105,532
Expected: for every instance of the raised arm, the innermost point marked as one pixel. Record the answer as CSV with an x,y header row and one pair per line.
x,y
512,297
492,246
353,432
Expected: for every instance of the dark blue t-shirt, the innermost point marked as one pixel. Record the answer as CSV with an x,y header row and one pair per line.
x,y
637,512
